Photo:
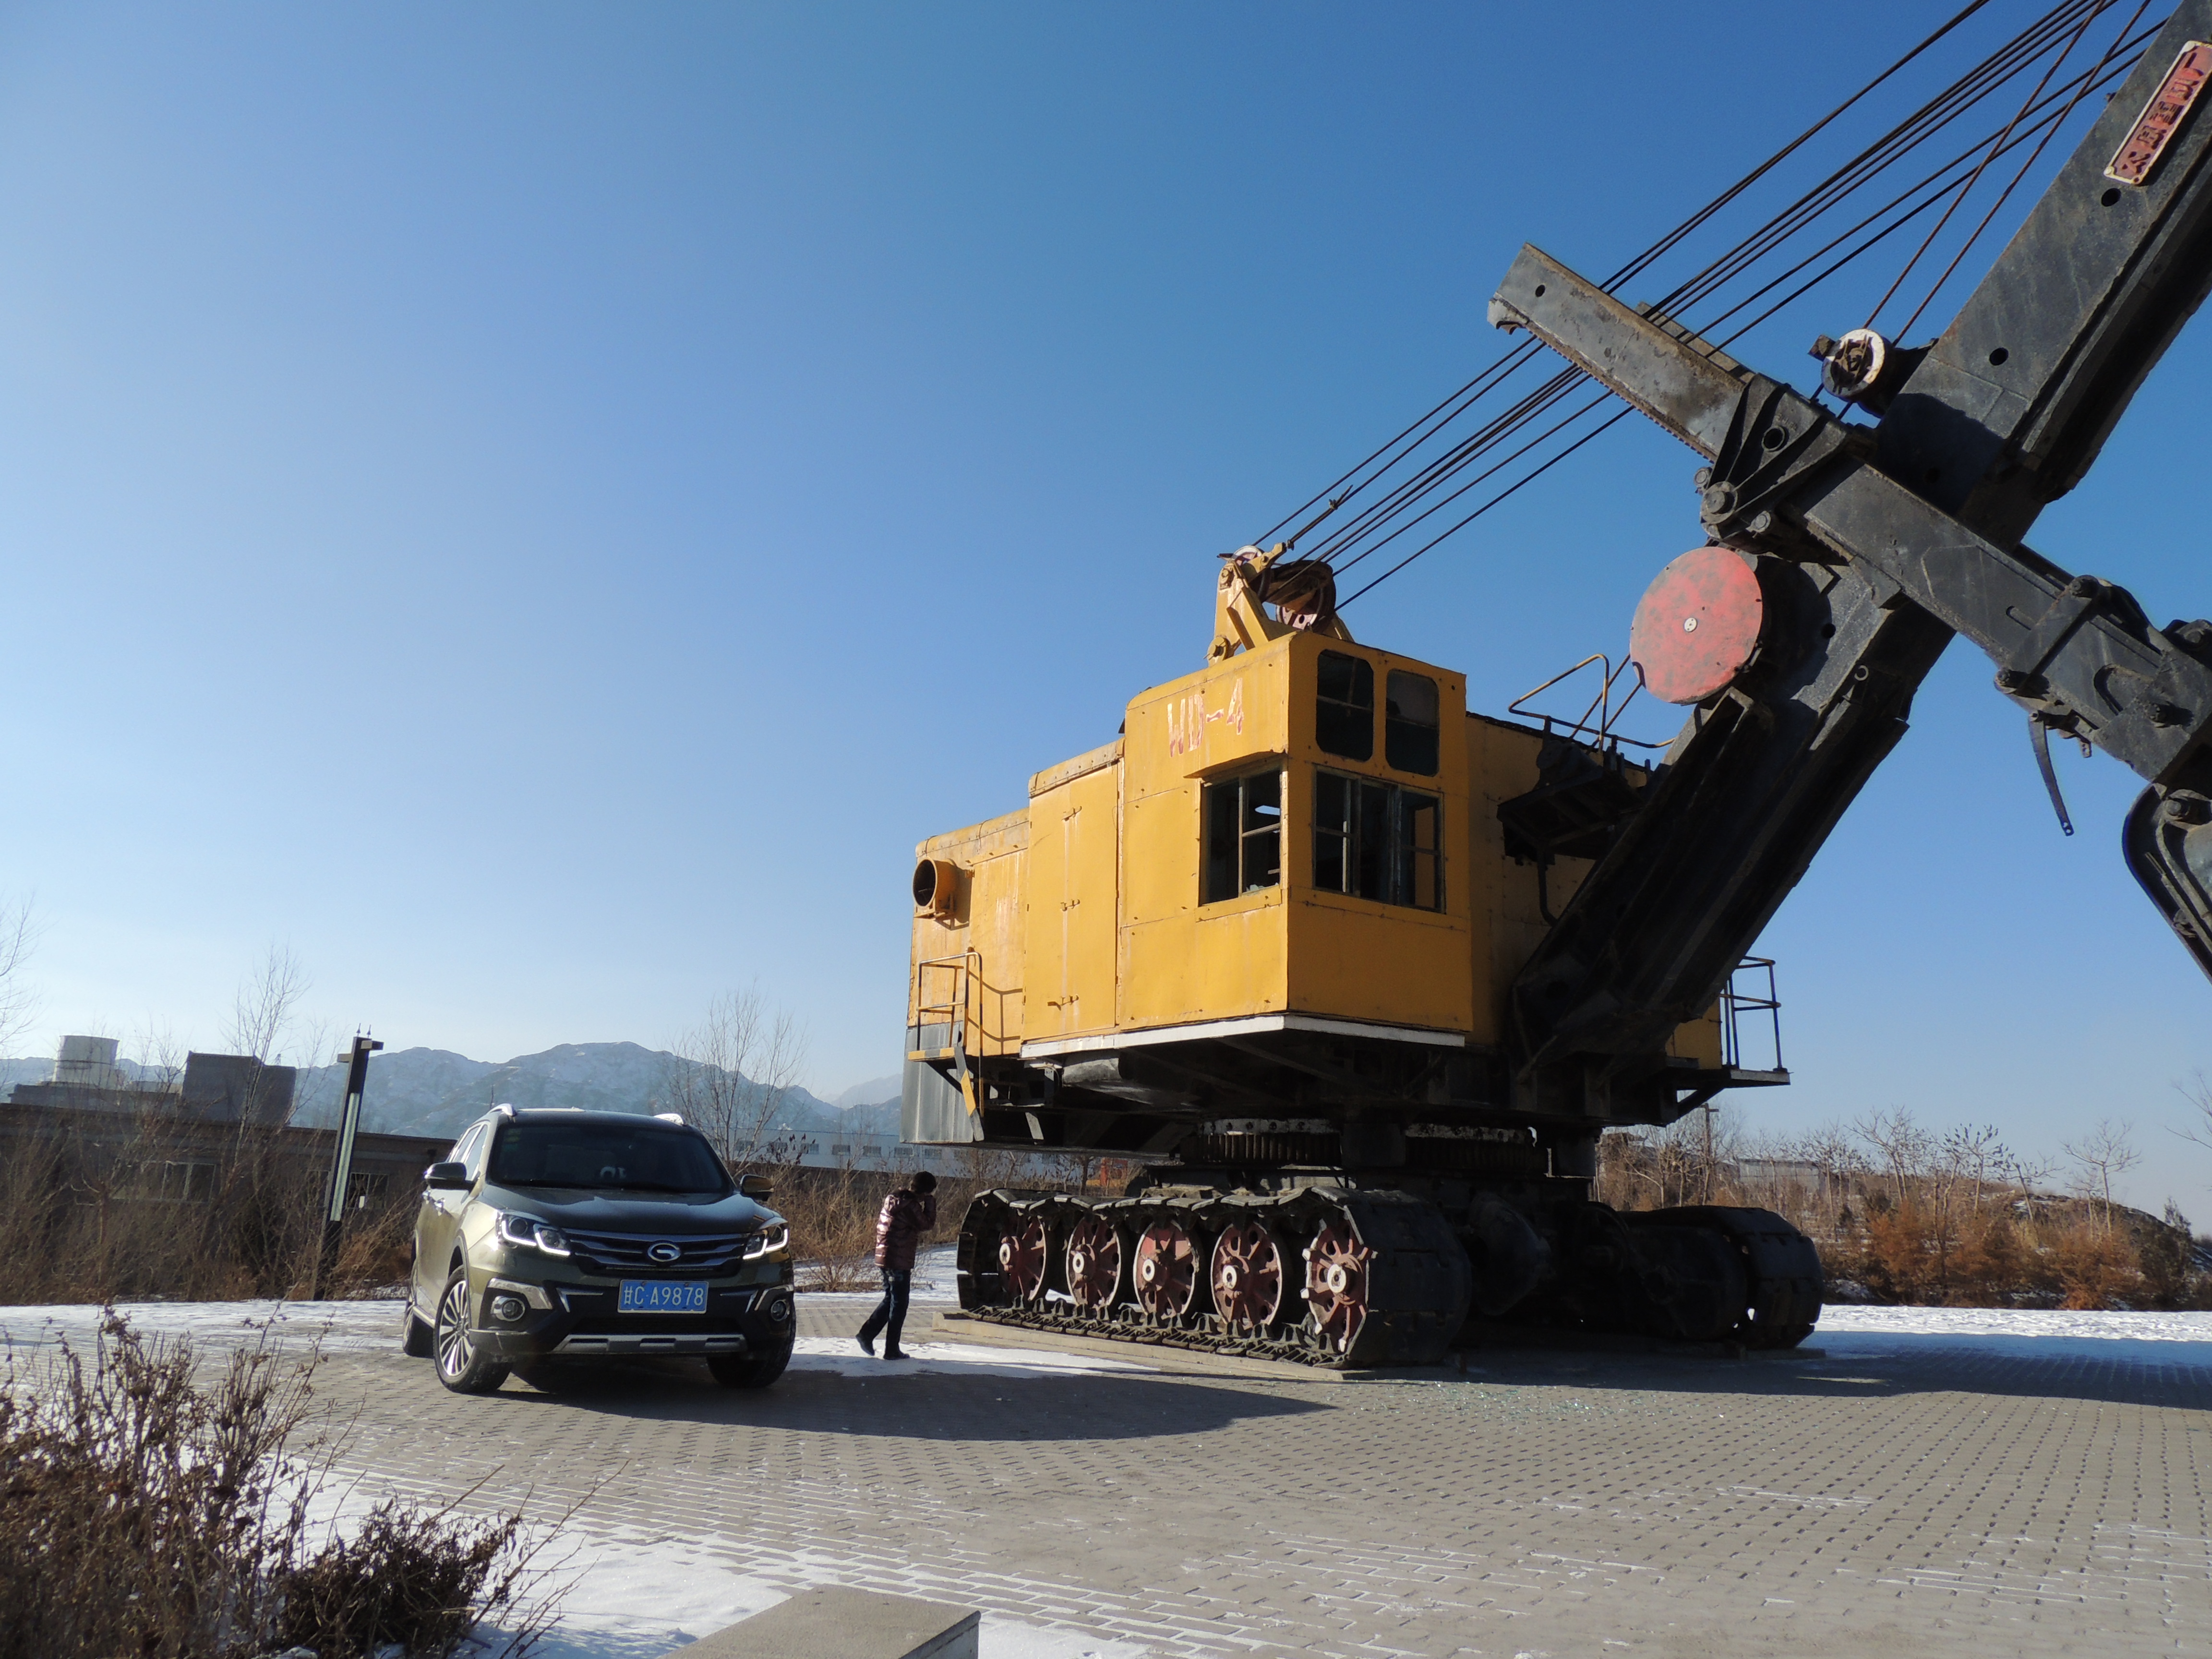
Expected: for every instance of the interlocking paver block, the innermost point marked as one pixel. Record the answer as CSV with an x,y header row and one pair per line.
x,y
1964,1504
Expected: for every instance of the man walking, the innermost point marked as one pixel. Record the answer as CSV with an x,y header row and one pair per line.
x,y
907,1214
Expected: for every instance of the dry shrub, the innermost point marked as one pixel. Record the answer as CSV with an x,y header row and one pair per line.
x,y
832,1214
145,1511
417,1578
2166,1255
1900,1260
95,1215
376,1250
2095,1263
1992,1261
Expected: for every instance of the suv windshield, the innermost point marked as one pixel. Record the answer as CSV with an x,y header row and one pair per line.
x,y
606,1155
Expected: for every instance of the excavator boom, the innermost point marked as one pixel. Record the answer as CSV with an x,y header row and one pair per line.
x,y
1873,546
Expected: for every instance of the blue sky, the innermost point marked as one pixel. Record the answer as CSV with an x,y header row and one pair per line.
x,y
540,508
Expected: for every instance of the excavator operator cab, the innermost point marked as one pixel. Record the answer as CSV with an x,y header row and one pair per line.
x,y
1299,841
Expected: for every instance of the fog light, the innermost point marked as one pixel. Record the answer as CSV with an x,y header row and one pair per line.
x,y
778,1310
508,1309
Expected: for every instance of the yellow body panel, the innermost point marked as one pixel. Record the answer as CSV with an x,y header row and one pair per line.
x,y
1074,862
967,966
1082,916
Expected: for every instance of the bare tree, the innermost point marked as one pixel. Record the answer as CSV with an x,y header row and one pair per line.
x,y
1904,1146
1976,1154
262,1010
2197,1091
2103,1153
19,937
734,1071
262,1015
161,1059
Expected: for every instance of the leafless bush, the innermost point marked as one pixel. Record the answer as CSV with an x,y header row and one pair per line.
x,y
146,1511
419,1578
832,1214
121,1208
1915,1215
833,1211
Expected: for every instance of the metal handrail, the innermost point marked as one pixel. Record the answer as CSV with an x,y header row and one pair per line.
x,y
1735,1004
966,1001
1600,705
967,968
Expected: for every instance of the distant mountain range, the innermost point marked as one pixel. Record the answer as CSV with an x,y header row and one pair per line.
x,y
431,1091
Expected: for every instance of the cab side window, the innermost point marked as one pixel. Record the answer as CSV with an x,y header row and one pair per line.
x,y
1376,841
1344,706
1409,723
1243,836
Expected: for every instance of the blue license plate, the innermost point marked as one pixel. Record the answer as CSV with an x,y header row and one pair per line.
x,y
662,1296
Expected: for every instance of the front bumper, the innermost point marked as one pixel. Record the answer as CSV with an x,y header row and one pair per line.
x,y
579,1321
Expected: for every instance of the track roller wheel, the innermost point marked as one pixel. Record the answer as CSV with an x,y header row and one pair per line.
x,y
1247,1277
1336,1285
1166,1272
1094,1264
1022,1257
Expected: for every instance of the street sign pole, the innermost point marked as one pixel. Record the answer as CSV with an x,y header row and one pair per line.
x,y
334,1207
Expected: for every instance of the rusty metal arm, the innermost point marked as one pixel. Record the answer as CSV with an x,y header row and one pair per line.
x,y
2077,650
1878,544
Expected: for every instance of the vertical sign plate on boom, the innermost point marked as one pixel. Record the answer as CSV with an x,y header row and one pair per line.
x,y
2162,116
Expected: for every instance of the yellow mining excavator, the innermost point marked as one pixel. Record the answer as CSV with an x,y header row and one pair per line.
x,y
1266,936
1360,976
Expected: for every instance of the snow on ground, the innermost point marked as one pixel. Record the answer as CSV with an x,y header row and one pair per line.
x,y
2157,1339
842,1356
632,1597
355,1327
936,1279
2170,1339
340,1326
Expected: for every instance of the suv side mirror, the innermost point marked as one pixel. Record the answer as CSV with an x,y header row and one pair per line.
x,y
758,1188
446,1175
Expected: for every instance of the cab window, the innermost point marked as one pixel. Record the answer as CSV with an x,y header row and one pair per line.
x,y
1243,819
1344,707
1376,841
1409,723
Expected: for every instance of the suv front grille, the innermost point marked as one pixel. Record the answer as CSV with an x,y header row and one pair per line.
x,y
625,1252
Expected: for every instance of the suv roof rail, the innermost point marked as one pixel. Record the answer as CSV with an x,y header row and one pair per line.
x,y
670,1117
504,1110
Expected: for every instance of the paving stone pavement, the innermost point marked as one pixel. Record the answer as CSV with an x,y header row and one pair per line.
x,y
1550,1503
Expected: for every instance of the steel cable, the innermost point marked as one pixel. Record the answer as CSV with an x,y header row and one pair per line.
x,y
1992,72
1470,392
1375,526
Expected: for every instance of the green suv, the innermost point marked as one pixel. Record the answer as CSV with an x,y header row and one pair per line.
x,y
550,1236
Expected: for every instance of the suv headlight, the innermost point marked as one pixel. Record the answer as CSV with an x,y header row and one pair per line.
x,y
773,1238
532,1234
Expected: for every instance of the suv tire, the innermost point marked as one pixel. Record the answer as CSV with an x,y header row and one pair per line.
x,y
460,1367
751,1371
416,1340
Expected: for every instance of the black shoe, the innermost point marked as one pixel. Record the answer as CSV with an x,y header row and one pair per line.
x,y
895,1353
867,1345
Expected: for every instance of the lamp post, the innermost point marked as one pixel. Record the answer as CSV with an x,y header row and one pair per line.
x,y
357,1062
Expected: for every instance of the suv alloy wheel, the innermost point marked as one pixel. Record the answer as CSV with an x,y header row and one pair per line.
x,y
460,1366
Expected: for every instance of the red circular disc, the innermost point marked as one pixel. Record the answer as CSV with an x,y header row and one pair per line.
x,y
1698,624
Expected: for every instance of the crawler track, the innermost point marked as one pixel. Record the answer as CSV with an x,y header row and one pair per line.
x,y
1323,1276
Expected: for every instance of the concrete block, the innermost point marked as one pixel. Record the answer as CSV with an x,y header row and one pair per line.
x,y
835,1623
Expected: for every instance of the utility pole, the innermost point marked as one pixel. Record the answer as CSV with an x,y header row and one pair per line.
x,y
356,1063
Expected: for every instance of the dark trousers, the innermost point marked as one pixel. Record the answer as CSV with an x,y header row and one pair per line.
x,y
889,1316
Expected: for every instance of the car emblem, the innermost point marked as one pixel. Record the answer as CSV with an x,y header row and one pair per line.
x,y
664,1252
